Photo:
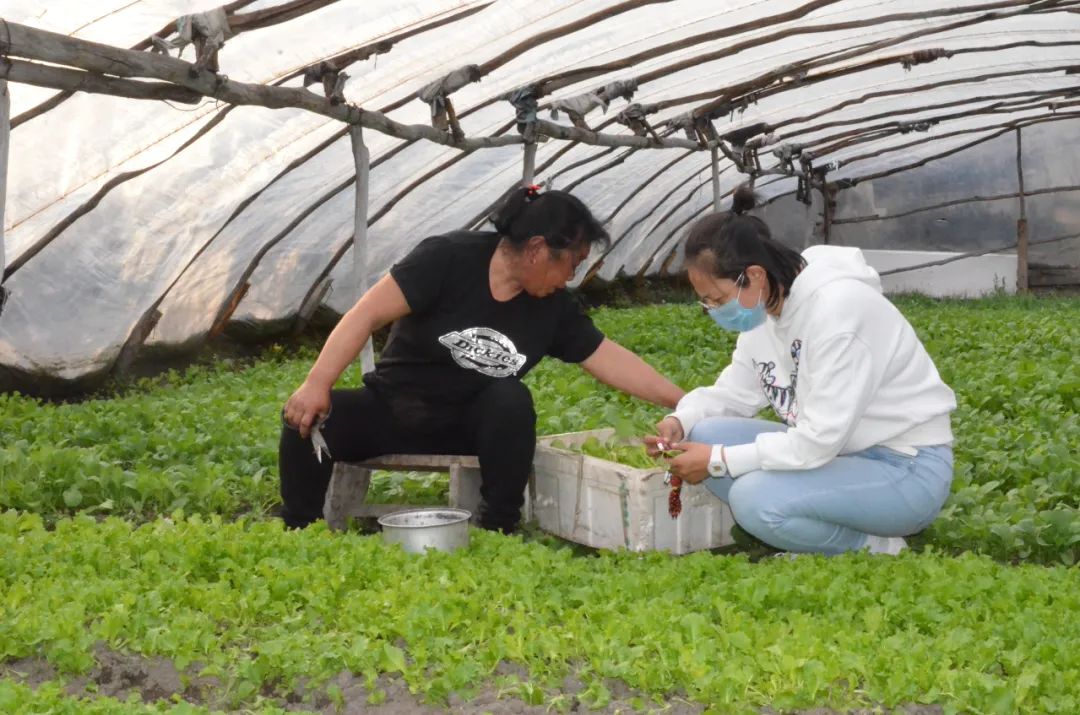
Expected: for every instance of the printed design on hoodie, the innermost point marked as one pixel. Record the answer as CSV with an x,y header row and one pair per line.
x,y
782,398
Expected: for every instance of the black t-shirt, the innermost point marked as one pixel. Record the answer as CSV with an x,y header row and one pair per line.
x,y
457,338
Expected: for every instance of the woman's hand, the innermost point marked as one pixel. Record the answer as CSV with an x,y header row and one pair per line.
x,y
306,406
692,465
668,431
614,365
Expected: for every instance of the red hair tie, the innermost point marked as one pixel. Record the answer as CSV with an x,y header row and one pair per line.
x,y
532,191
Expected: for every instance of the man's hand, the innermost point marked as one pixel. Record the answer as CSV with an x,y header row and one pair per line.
x,y
306,406
692,465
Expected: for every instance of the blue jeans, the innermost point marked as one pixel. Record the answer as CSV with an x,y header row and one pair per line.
x,y
830,509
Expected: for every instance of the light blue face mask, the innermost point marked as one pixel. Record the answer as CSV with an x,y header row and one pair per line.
x,y
733,316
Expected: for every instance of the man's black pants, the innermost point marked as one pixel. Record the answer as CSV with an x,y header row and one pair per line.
x,y
498,426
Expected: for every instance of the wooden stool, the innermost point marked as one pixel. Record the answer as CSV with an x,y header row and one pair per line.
x,y
349,484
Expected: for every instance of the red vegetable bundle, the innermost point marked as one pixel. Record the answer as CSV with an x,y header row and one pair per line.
x,y
674,503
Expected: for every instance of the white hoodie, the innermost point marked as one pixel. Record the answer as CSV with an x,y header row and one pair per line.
x,y
841,366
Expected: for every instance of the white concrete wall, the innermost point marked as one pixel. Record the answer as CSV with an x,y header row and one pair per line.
x,y
968,277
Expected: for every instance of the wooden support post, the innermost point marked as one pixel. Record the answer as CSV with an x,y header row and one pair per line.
x,y
5,133
528,172
362,159
455,126
671,256
715,178
218,328
134,343
311,304
1021,223
828,210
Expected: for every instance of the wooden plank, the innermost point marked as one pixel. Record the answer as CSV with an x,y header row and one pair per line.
x,y
464,492
420,462
362,162
1042,276
348,490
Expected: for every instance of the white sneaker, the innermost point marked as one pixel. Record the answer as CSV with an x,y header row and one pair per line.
x,y
891,545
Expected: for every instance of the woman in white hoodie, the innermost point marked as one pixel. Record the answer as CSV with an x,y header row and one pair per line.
x,y
863,457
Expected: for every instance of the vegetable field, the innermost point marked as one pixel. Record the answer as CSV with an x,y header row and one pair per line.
x,y
135,531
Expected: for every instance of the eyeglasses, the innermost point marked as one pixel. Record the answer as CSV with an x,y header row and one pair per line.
x,y
706,306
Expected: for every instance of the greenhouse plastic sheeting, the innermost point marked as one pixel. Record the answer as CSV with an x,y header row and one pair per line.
x,y
121,206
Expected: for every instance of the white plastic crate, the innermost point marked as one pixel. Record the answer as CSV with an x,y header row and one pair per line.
x,y
609,505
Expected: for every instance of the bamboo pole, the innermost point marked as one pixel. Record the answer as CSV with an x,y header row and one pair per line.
x,y
145,44
70,80
1021,223
5,133
775,80
98,59
558,131
622,157
277,14
362,159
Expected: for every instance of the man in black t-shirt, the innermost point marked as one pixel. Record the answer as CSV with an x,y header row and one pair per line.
x,y
472,313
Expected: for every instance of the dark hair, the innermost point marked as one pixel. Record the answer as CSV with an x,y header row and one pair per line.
x,y
726,244
561,218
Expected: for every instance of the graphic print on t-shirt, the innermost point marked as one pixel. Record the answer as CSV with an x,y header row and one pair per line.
x,y
485,350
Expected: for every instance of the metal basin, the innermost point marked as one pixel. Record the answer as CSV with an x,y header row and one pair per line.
x,y
417,530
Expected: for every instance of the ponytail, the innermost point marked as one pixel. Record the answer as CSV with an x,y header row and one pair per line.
x,y
561,218
725,244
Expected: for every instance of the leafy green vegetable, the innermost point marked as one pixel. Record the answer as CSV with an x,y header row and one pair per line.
x,y
260,608
205,441
264,609
614,449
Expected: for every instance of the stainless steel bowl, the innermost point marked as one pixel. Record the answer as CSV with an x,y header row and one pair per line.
x,y
417,530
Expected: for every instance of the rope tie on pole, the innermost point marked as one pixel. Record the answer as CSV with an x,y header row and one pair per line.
x,y
578,106
524,101
437,95
206,30
635,117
